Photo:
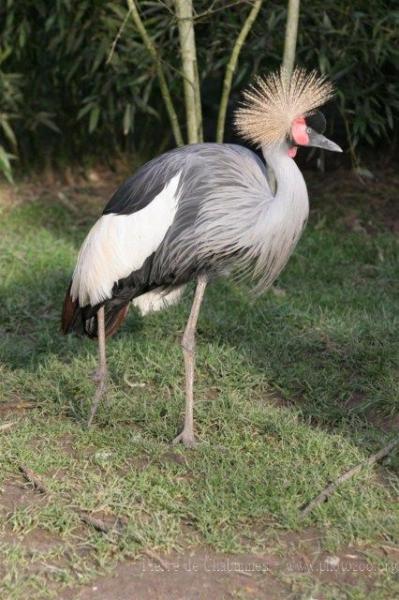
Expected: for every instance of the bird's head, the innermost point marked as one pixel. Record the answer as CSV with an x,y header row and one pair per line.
x,y
281,111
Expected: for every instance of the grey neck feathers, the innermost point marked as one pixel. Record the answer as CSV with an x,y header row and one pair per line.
x,y
290,183
285,216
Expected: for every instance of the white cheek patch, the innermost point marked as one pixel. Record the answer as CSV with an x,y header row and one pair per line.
x,y
117,245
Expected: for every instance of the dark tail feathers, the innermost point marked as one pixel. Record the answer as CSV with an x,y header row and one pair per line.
x,y
84,320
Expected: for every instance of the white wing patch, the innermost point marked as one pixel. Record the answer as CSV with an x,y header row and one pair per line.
x,y
119,244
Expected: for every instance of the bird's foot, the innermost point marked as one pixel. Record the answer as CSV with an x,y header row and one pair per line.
x,y
187,438
99,376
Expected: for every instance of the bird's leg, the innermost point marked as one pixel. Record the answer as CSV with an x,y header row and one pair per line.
x,y
188,345
100,376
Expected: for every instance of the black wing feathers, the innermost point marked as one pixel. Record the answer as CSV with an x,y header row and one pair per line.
x,y
139,190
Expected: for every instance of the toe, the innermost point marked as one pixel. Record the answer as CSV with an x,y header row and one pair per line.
x,y
186,438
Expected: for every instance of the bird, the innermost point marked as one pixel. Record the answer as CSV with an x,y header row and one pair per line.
x,y
197,213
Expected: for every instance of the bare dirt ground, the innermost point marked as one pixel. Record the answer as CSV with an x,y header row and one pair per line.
x,y
197,575
199,572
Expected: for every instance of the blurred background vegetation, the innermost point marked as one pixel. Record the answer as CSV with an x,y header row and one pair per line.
x,y
77,84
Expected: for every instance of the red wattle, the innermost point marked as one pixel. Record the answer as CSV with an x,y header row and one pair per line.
x,y
298,131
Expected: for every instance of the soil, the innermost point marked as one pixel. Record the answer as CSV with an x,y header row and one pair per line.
x,y
200,574
197,575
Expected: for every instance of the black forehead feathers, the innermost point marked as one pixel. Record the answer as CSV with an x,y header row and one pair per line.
x,y
317,121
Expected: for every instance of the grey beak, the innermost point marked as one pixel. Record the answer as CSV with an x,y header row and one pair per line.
x,y
319,141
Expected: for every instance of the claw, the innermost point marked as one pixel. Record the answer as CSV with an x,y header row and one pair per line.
x,y
187,438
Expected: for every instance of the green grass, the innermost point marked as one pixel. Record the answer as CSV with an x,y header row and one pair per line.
x,y
291,390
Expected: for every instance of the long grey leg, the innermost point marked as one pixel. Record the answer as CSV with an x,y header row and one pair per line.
x,y
100,376
188,345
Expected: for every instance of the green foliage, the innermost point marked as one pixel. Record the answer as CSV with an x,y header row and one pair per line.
x,y
11,106
354,44
75,79
357,45
73,101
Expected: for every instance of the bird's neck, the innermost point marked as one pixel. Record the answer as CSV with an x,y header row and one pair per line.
x,y
284,218
290,184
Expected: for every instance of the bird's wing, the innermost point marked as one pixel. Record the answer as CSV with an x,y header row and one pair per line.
x,y
146,184
131,229
171,219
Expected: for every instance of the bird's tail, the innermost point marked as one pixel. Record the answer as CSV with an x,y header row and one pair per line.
x,y
84,319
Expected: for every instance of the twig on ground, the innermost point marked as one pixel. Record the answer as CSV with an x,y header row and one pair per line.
x,y
4,406
100,526
33,479
131,383
330,489
150,554
97,524
7,426
388,548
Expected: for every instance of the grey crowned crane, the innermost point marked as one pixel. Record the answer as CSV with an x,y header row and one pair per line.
x,y
199,212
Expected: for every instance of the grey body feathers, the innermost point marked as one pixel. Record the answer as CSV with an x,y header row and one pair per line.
x,y
226,219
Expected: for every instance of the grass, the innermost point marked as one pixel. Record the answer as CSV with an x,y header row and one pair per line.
x,y
292,389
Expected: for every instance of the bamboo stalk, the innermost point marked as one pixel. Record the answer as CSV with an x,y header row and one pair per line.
x,y
163,84
117,38
198,106
184,14
231,67
291,35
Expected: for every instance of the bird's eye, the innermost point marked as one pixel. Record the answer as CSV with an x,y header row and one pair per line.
x,y
308,130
